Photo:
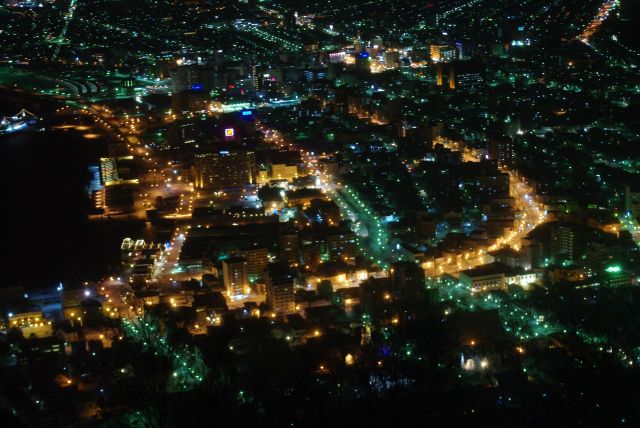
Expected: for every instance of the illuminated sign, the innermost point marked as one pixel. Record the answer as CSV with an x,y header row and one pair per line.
x,y
335,57
229,132
247,113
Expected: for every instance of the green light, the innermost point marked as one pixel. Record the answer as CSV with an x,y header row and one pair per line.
x,y
613,269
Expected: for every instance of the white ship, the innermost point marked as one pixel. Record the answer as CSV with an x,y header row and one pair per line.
x,y
21,121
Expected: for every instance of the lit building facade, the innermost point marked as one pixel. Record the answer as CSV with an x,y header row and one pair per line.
x,y
280,289
235,276
224,169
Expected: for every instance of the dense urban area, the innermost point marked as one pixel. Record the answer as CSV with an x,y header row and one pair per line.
x,y
323,213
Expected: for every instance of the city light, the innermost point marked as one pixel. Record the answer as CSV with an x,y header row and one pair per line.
x,y
398,211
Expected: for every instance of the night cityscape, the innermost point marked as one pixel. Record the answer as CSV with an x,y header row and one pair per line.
x,y
340,213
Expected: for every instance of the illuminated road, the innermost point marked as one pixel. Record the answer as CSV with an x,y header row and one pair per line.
x,y
65,26
254,28
532,214
457,9
371,231
603,13
373,241
165,269
157,180
629,223
117,294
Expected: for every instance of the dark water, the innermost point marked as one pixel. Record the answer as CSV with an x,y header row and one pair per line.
x,y
46,235
629,26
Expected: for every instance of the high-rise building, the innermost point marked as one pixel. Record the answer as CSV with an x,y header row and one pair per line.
x,y
224,169
257,259
235,276
108,170
448,54
341,244
255,77
408,278
119,177
443,53
434,50
192,77
465,74
283,171
115,170
501,149
392,59
95,187
279,288
314,74
119,197
563,240
311,252
289,245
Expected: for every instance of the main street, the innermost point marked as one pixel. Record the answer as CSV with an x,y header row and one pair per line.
x,y
372,239
158,180
524,198
375,245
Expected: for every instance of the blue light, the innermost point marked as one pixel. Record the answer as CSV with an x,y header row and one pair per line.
x,y
13,128
364,54
196,87
247,113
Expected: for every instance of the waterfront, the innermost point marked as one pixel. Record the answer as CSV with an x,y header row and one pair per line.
x,y
44,178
